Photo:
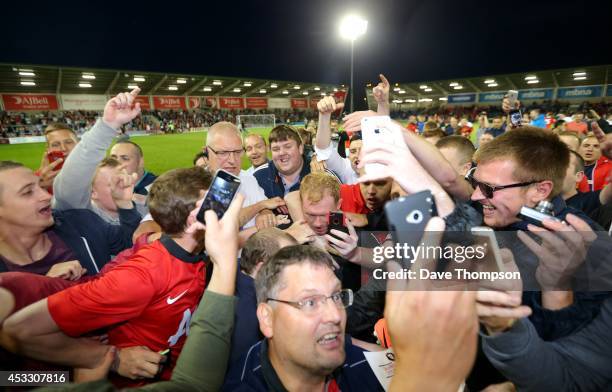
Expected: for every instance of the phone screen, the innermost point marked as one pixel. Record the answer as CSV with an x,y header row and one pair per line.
x,y
221,193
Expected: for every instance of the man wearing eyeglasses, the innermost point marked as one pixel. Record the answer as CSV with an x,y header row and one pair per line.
x,y
224,150
302,315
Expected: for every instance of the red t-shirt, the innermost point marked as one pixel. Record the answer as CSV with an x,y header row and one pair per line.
x,y
149,300
580,127
352,199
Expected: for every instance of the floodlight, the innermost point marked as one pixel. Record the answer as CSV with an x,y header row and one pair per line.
x,y
352,27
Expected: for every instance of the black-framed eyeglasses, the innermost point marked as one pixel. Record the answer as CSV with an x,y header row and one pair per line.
x,y
489,190
313,304
226,154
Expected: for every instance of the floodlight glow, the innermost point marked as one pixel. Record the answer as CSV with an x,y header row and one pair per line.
x,y
172,88
442,99
27,83
305,93
574,74
580,78
85,85
317,88
236,90
492,85
27,73
296,87
410,100
322,94
207,89
273,85
247,84
181,81
88,76
458,87
285,92
335,90
530,77
352,27
533,81
139,78
402,91
489,81
263,91
216,83
453,84
425,100
132,86
396,89
428,90
423,87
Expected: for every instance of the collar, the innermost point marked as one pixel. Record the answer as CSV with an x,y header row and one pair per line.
x,y
144,175
175,250
274,383
269,374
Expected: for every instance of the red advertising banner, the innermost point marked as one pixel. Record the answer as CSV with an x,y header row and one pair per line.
x,y
29,102
299,103
211,102
257,103
231,103
194,102
145,103
314,101
169,102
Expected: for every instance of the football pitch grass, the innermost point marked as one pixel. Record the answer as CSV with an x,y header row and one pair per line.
x,y
161,152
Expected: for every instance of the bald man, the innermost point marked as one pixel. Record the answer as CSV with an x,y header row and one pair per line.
x,y
257,152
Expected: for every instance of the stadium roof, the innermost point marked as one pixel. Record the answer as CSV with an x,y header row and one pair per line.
x,y
585,76
16,78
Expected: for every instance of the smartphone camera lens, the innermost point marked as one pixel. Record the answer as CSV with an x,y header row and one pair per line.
x,y
414,217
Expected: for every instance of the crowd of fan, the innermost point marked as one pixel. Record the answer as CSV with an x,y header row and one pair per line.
x,y
107,270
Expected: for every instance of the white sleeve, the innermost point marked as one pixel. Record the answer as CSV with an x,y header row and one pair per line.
x,y
341,166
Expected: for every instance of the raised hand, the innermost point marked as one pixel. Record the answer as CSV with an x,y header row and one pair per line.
x,y
327,105
47,172
605,141
381,91
122,189
352,122
415,312
121,109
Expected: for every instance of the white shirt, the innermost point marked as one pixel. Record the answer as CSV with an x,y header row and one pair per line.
x,y
252,192
341,166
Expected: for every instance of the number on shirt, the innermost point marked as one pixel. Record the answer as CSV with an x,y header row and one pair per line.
x,y
183,328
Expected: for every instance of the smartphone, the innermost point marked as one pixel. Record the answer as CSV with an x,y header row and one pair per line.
x,y
221,193
492,261
516,117
512,97
377,130
336,221
53,156
407,217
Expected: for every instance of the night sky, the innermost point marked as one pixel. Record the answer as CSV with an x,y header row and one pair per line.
x,y
410,40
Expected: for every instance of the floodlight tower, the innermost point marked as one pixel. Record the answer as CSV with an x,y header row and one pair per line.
x,y
351,28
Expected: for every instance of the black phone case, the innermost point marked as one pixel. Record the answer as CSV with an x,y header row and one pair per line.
x,y
336,222
407,217
207,204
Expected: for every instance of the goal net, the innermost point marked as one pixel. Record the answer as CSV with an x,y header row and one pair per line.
x,y
251,122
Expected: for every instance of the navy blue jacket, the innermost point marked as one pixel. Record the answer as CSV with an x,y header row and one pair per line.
x,y
93,240
588,290
255,372
146,180
271,182
246,325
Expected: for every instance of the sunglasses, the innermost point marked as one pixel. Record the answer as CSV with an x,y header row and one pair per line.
x,y
488,190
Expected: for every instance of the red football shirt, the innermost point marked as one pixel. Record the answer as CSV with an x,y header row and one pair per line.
x,y
148,301
352,199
